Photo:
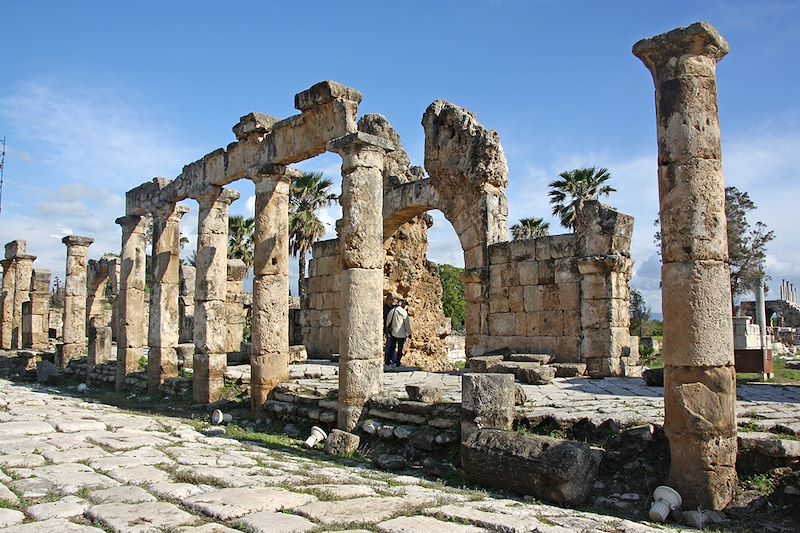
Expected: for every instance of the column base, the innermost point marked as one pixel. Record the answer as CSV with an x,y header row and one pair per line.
x,y
162,363
127,363
69,352
209,376
359,380
266,372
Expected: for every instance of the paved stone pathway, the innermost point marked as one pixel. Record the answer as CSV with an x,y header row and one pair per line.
x,y
68,464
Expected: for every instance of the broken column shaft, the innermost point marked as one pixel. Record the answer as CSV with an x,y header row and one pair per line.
x,y
699,378
269,352
75,299
22,294
210,330
361,241
7,302
162,333
130,300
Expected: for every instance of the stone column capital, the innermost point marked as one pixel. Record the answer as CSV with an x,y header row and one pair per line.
x,y
665,55
168,211
360,141
75,241
25,257
129,223
217,195
274,173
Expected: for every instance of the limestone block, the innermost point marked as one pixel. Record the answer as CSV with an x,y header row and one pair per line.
x,y
516,300
528,273
692,206
697,314
361,334
15,248
533,323
521,324
482,363
603,366
359,379
532,298
602,286
341,443
602,231
543,249
498,302
547,272
605,342
551,323
562,246
510,275
324,92
522,250
496,278
473,292
487,400
553,469
502,324
550,297
569,370
208,376
499,253
568,348
475,257
566,270
598,314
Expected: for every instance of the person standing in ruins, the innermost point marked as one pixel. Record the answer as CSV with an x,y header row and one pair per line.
x,y
388,304
399,327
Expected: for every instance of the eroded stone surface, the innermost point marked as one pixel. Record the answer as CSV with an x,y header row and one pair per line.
x,y
274,522
139,517
230,503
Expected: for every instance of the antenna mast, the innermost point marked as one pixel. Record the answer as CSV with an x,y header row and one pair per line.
x,y
2,164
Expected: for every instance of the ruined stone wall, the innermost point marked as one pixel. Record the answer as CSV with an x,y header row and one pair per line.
x,y
534,297
567,295
322,302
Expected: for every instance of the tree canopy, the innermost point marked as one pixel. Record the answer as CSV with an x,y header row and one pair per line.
x,y
452,294
530,228
576,187
240,239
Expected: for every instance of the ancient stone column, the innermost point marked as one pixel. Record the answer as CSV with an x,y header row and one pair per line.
x,y
186,304
75,299
22,293
130,301
114,267
96,279
235,311
37,338
269,351
210,359
162,333
699,378
361,241
7,302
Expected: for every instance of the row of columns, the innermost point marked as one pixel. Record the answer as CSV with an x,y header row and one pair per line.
x,y
23,316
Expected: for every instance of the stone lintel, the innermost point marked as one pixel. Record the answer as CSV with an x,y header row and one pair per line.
x,y
15,248
699,39
139,200
360,139
253,124
324,92
77,241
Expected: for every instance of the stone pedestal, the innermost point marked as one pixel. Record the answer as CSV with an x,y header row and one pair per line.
x,y
130,301
162,333
269,352
699,378
99,345
361,241
210,331
75,299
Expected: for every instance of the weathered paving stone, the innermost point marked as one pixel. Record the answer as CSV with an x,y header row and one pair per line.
x,y
128,441
53,525
343,492
76,426
178,491
139,517
70,478
206,528
494,521
64,508
413,524
7,495
123,494
9,517
139,475
25,428
33,487
230,503
354,511
274,522
23,460
74,455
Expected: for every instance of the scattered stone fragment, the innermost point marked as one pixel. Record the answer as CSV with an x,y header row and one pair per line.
x,y
541,358
47,373
654,377
520,397
569,370
390,461
424,393
341,443
482,363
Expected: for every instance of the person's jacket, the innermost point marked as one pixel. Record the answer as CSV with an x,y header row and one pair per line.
x,y
397,323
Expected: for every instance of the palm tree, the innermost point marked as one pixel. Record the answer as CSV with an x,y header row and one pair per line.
x,y
530,228
240,239
307,195
576,187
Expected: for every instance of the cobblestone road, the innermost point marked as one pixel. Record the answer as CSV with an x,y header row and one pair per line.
x,y
68,464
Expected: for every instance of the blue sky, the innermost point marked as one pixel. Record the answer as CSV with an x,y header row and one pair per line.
x,y
97,97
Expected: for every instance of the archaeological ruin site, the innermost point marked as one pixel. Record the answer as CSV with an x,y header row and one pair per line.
x,y
550,414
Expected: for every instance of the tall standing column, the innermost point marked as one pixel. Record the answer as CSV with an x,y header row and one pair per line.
x,y
269,352
162,333
75,298
361,241
699,377
22,294
40,305
7,302
210,330
130,299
